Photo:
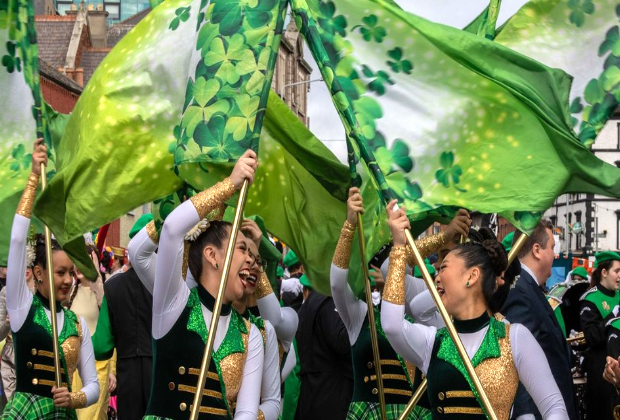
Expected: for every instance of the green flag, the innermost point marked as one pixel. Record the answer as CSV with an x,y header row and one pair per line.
x,y
24,117
452,119
583,39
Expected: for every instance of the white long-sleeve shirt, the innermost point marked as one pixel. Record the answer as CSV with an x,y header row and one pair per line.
x,y
19,300
170,295
283,319
270,399
415,342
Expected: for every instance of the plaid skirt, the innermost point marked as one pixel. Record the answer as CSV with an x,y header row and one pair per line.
x,y
25,406
361,410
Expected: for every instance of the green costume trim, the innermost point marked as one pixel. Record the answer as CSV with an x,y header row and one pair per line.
x,y
103,339
489,348
232,343
69,329
605,304
26,406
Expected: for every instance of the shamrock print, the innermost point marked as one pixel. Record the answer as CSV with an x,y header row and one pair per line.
x,y
449,172
11,61
370,30
399,64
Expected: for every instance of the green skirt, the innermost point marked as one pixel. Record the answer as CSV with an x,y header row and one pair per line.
x,y
25,406
360,410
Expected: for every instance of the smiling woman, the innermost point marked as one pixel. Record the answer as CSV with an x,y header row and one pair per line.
x,y
35,394
181,315
502,354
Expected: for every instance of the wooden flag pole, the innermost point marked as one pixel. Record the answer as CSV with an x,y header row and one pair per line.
x,y
206,358
52,288
422,388
371,317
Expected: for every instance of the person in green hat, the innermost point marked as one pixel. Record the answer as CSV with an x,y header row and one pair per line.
x,y
579,274
598,306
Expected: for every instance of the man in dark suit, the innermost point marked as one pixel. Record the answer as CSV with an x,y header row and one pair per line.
x,y
527,305
325,357
125,324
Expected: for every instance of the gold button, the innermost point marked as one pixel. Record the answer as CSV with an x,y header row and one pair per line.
x,y
35,381
369,365
441,396
171,386
29,365
440,410
375,391
182,370
183,407
366,379
34,352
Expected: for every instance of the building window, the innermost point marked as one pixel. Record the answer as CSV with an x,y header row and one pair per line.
x,y
618,145
578,237
63,7
113,7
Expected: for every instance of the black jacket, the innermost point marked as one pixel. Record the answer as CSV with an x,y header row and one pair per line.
x,y
325,358
526,304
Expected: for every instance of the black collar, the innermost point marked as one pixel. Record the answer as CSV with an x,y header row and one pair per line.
x,y
472,325
46,302
606,291
209,301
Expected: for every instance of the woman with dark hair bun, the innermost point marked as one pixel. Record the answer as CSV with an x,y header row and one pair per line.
x,y
502,354
182,316
36,395
599,305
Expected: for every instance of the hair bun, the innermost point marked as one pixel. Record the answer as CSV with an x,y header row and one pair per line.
x,y
498,256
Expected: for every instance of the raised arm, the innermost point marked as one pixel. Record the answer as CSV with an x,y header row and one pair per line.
x,y
283,320
141,251
352,310
169,291
18,296
412,341
535,374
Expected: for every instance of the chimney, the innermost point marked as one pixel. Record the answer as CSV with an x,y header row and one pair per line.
x,y
69,73
78,76
97,26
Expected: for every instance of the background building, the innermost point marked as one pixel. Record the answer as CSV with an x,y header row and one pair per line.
x,y
589,222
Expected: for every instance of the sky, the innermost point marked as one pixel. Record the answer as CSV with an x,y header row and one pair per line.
x,y
324,121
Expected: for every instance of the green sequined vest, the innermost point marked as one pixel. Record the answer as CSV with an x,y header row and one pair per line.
x,y
450,389
176,365
34,352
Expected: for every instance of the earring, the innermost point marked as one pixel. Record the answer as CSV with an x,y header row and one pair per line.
x,y
216,266
467,284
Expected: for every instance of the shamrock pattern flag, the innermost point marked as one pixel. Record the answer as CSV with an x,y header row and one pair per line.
x,y
19,125
581,37
450,118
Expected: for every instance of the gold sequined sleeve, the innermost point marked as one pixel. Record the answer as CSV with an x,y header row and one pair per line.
x,y
394,290
426,246
342,254
78,400
30,192
263,288
213,198
151,230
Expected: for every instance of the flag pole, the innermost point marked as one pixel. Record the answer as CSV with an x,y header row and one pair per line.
x,y
371,317
206,358
422,388
451,330
52,288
